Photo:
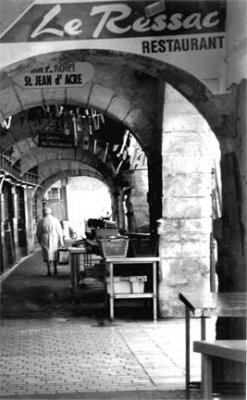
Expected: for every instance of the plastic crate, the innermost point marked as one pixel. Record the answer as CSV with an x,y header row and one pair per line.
x,y
117,247
121,284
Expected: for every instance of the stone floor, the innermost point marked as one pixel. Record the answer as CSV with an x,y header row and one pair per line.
x,y
78,355
53,348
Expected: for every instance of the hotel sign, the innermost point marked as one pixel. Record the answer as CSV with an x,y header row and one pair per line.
x,y
65,74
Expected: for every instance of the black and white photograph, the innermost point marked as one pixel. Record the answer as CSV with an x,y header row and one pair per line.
x,y
123,199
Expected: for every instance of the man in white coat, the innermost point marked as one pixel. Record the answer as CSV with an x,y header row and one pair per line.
x,y
50,236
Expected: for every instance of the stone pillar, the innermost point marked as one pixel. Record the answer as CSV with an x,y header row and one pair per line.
x,y
121,218
186,224
138,202
119,207
129,212
29,223
15,223
3,247
65,201
114,196
155,187
40,204
231,266
231,228
232,245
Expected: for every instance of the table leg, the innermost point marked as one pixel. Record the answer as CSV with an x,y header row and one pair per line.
x,y
86,259
72,270
111,292
203,328
203,337
77,275
207,377
154,291
106,287
187,350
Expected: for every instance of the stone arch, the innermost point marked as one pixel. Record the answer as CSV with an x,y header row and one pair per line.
x,y
106,92
64,174
125,87
58,166
48,181
36,155
113,91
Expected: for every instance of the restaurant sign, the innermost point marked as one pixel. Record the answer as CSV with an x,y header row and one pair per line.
x,y
51,20
189,34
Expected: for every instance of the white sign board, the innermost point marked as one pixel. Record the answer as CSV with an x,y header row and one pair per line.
x,y
189,34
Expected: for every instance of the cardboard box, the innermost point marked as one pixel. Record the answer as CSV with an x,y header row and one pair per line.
x,y
121,284
127,284
138,284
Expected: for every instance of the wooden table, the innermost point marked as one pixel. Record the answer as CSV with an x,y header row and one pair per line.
x,y
234,350
207,305
112,261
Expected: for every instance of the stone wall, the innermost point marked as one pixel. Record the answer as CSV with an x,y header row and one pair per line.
x,y
139,200
187,205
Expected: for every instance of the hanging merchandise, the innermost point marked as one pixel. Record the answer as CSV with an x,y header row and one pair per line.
x,y
85,135
94,119
95,146
75,127
106,152
67,126
102,118
125,154
125,138
118,168
75,131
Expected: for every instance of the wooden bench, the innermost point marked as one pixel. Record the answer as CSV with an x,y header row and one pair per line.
x,y
234,350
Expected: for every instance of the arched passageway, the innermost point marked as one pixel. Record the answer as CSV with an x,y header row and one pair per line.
x,y
123,87
134,90
130,95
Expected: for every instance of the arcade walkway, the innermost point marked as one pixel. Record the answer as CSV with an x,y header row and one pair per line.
x,y
54,348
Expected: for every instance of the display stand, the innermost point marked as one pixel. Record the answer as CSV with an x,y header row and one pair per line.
x,y
111,262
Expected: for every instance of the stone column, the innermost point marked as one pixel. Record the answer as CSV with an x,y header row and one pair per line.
x,y
29,223
114,196
130,224
155,187
230,232
121,219
138,202
65,201
3,247
15,223
186,223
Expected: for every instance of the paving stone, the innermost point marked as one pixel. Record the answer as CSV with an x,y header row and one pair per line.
x,y
61,356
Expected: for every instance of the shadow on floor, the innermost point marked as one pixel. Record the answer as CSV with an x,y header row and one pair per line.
x,y
27,292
